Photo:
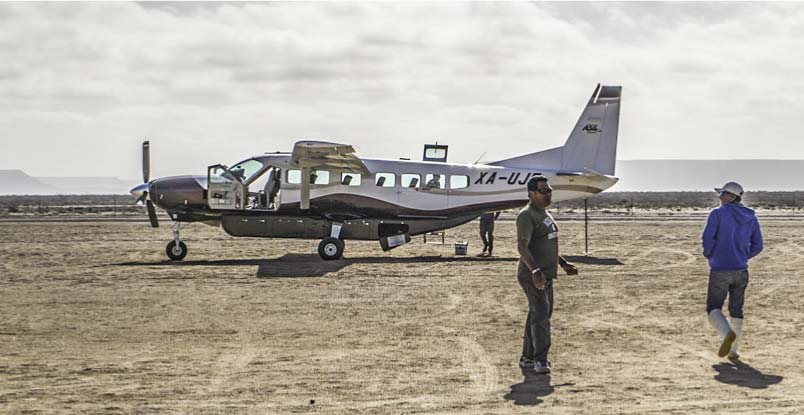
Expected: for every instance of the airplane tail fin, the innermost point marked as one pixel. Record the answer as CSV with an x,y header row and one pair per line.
x,y
592,144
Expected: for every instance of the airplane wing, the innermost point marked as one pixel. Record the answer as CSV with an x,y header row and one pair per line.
x,y
310,155
320,154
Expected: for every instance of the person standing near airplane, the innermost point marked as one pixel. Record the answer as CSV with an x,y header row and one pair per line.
x,y
487,232
537,243
731,237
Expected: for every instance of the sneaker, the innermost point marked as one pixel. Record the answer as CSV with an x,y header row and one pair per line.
x,y
734,356
526,363
542,366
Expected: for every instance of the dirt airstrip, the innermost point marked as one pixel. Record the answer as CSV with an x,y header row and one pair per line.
x,y
94,320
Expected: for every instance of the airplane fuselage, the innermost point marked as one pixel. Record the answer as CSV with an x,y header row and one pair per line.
x,y
395,191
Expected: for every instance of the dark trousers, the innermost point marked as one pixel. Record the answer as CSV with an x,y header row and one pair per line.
x,y
487,235
536,342
723,283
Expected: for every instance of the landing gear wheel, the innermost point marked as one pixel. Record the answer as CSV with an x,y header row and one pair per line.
x,y
176,253
330,248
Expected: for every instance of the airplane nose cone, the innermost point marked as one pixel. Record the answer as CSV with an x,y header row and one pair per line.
x,y
177,192
139,190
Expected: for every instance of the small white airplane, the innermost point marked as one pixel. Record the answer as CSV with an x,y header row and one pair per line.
x,y
324,191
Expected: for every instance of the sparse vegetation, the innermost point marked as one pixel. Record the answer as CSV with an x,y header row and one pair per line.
x,y
68,205
681,201
608,203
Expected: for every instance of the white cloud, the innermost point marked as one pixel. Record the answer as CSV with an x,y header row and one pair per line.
x,y
214,82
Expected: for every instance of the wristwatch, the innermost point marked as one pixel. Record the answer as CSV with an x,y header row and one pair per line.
x,y
535,270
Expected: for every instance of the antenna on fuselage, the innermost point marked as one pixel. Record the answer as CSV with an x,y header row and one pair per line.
x,y
479,158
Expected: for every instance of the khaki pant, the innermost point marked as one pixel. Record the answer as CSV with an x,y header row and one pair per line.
x,y
536,342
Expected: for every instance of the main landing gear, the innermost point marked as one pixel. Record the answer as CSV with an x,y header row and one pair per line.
x,y
176,250
332,246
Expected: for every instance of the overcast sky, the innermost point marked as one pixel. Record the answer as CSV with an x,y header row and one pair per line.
x,y
82,84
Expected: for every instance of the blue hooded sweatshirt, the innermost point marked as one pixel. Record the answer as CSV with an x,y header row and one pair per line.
x,y
731,237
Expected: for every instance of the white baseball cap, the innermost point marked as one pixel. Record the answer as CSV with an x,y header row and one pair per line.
x,y
731,187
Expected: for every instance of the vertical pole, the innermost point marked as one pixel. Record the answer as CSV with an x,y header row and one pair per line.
x,y
305,188
585,227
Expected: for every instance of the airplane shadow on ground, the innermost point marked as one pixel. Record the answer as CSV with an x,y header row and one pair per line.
x,y
311,265
533,387
742,374
583,259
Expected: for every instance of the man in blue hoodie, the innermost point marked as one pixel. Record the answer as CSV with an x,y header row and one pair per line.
x,y
731,237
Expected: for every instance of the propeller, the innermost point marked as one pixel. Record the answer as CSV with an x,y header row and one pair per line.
x,y
146,161
152,213
142,189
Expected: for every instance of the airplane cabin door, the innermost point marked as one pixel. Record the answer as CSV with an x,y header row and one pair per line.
x,y
223,191
457,183
409,191
423,193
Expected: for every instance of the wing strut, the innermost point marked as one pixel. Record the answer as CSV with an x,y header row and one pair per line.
x,y
305,188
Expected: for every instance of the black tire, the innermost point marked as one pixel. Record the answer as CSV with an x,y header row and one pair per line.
x,y
176,253
330,248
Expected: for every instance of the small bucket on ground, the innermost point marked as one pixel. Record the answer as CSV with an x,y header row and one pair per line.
x,y
461,247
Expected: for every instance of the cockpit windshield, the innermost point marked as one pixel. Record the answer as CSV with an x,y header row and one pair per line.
x,y
246,169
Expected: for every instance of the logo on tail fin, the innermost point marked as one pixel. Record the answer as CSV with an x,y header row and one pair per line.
x,y
593,126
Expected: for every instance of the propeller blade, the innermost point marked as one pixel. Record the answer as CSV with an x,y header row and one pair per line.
x,y
142,198
152,213
146,161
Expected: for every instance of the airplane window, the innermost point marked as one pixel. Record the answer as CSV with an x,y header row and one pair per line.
x,y
217,175
316,177
435,181
319,177
435,153
458,182
411,181
245,169
294,176
351,179
385,180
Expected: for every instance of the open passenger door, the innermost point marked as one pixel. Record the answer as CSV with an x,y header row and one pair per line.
x,y
225,191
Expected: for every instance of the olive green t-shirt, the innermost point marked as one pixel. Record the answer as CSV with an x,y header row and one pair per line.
x,y
537,226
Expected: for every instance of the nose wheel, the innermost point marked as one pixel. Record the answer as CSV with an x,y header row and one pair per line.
x,y
176,250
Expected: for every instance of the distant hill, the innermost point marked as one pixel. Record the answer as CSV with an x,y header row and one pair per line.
x,y
704,175
90,185
17,182
635,176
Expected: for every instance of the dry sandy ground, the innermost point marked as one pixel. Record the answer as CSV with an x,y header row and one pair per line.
x,y
93,320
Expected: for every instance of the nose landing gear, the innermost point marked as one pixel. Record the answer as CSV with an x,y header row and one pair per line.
x,y
176,250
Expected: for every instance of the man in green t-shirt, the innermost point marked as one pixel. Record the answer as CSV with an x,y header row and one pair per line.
x,y
537,242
